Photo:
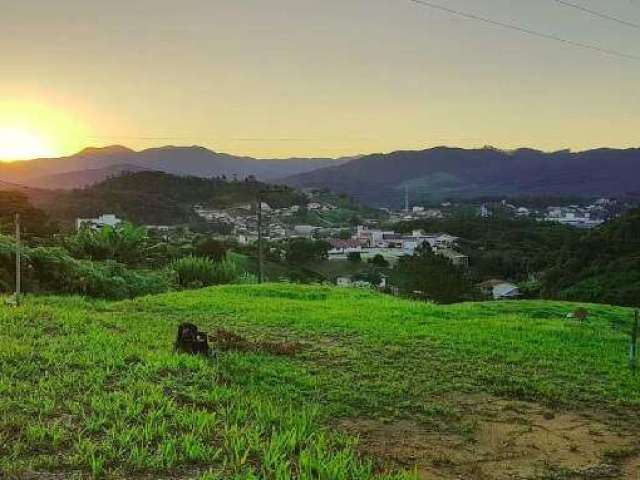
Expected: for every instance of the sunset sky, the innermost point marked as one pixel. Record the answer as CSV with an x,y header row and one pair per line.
x,y
286,78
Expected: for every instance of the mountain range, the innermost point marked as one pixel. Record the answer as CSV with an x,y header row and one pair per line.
x,y
431,175
444,173
93,165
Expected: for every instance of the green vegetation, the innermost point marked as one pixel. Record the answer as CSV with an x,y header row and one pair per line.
x,y
124,244
346,212
354,257
197,272
211,248
600,266
432,277
503,247
156,198
34,221
93,387
116,263
303,250
54,270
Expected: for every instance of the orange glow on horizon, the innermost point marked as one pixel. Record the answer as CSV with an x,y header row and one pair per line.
x,y
31,129
18,144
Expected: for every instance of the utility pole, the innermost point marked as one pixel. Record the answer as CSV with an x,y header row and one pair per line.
x,y
18,260
633,348
260,246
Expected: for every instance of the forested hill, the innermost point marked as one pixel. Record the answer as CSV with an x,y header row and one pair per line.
x,y
158,198
601,266
446,173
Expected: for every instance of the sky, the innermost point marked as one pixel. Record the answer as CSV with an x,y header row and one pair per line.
x,y
313,78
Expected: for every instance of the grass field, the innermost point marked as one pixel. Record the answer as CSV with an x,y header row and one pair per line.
x,y
376,387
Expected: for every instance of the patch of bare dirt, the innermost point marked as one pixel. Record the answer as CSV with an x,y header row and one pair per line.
x,y
631,468
227,340
509,440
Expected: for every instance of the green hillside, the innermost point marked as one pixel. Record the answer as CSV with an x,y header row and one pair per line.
x,y
323,383
154,198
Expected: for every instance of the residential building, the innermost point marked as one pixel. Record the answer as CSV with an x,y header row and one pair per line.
x,y
104,220
305,230
500,289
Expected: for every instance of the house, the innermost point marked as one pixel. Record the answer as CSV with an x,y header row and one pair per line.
x,y
500,289
444,240
104,220
373,237
343,246
344,281
305,230
435,241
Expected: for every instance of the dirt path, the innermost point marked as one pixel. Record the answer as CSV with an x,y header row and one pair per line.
x,y
508,440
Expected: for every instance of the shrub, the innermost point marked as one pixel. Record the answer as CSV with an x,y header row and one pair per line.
x,y
211,248
53,270
302,250
194,272
354,257
379,261
124,243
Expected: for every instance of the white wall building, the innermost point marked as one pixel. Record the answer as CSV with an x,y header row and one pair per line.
x,y
105,220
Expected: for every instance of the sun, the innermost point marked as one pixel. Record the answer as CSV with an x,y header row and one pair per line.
x,y
19,144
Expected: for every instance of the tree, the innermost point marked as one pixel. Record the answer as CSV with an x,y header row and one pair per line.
x,y
34,222
302,250
370,275
379,261
355,220
211,248
124,243
354,257
432,277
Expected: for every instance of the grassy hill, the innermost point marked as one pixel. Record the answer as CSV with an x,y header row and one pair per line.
x,y
321,383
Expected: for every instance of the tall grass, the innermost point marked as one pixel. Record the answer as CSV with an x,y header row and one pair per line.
x,y
194,272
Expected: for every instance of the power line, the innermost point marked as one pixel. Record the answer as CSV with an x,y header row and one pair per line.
x,y
528,31
599,14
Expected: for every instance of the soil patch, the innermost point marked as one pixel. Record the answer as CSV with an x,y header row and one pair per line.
x,y
227,340
508,440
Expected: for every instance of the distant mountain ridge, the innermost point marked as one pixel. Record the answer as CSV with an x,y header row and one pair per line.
x,y
431,175
93,165
82,178
444,173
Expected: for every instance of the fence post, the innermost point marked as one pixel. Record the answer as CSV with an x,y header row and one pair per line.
x,y
18,260
633,348
260,241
